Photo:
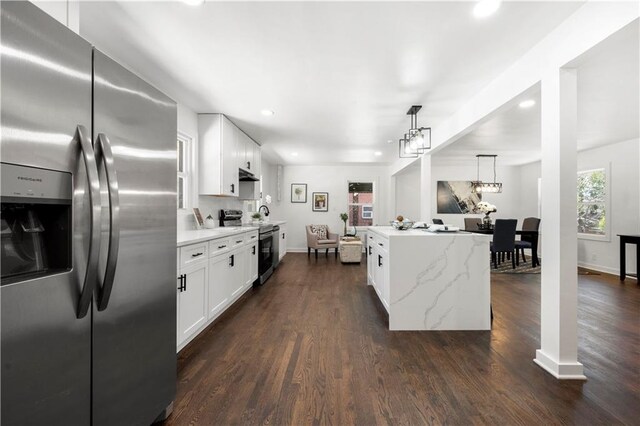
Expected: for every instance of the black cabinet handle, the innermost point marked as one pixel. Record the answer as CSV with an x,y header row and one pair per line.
x,y
181,286
379,260
221,247
248,164
253,236
238,242
381,245
197,254
232,260
369,250
185,282
253,251
283,235
233,188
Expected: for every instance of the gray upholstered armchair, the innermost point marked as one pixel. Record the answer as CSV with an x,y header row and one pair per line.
x,y
319,237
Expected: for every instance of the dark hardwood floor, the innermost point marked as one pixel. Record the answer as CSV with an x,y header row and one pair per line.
x,y
312,347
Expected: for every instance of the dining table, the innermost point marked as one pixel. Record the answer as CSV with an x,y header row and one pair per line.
x,y
533,237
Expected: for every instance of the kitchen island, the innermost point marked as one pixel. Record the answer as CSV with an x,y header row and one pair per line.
x,y
431,281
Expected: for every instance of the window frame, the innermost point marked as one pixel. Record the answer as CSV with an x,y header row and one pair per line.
x,y
607,204
187,173
372,204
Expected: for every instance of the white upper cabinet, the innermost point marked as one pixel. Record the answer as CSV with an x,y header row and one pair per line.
x,y
217,155
223,150
247,154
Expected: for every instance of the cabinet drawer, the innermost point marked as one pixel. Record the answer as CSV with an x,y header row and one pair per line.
x,y
192,253
219,246
251,237
237,240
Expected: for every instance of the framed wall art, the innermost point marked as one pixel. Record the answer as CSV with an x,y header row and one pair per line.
x,y
320,202
298,192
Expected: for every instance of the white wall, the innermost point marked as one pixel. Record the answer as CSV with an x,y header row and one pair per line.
x,y
623,213
506,202
407,198
66,12
331,179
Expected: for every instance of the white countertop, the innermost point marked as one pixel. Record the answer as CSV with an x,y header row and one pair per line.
x,y
199,235
193,236
388,231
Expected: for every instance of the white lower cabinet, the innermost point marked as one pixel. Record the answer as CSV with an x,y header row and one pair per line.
x,y
220,277
377,268
192,299
208,286
238,264
252,270
282,247
370,259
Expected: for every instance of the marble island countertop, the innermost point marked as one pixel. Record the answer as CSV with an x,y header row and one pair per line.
x,y
389,231
192,236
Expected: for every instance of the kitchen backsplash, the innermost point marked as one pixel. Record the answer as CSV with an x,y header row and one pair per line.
x,y
209,205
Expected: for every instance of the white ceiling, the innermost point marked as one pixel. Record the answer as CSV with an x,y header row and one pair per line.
x,y
608,108
339,76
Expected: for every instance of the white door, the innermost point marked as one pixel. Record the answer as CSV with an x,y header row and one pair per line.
x,y
282,248
252,269
229,158
219,283
238,263
249,155
370,261
192,300
256,165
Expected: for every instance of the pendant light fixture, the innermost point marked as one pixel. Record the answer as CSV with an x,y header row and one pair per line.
x,y
418,140
486,187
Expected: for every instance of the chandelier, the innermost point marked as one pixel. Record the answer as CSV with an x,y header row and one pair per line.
x,y
418,140
486,187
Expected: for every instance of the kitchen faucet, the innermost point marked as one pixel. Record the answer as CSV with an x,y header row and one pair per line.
x,y
266,210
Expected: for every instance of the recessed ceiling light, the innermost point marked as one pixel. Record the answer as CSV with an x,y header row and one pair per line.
x,y
486,8
527,104
390,141
294,154
193,2
267,112
377,153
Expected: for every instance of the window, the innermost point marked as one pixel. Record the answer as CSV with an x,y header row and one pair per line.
x,y
360,203
592,204
184,169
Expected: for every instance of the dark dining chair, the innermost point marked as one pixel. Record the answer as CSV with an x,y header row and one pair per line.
x,y
504,240
471,223
525,242
437,221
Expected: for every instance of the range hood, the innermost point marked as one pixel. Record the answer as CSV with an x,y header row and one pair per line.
x,y
245,176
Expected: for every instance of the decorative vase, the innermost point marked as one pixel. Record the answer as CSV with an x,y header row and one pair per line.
x,y
345,229
486,221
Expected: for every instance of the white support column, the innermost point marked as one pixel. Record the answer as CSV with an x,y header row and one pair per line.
x,y
559,293
426,188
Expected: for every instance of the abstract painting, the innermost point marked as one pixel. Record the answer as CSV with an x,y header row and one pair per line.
x,y
457,197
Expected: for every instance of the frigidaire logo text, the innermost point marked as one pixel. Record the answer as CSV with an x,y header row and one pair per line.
x,y
31,179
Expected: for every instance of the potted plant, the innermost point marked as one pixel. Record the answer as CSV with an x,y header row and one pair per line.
x,y
209,222
257,217
344,217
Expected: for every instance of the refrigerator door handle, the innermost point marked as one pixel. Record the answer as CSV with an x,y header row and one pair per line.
x,y
103,146
94,218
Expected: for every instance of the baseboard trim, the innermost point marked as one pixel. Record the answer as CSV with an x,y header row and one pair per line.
x,y
561,371
603,269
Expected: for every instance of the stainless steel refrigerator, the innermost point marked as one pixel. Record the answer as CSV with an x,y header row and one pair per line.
x,y
88,154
